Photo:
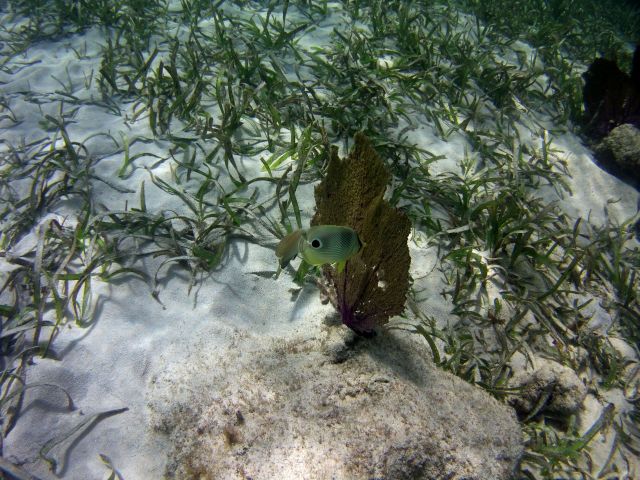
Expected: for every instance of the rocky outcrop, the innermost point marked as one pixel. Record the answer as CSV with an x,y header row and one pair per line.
x,y
549,386
612,117
619,153
334,407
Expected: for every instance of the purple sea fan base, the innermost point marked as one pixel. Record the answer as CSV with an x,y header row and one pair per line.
x,y
356,321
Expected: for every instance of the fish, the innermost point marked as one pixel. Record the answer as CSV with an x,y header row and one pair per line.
x,y
320,245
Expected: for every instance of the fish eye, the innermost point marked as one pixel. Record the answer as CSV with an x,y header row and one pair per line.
x,y
315,243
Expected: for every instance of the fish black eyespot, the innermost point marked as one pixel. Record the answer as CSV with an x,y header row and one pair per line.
x,y
315,243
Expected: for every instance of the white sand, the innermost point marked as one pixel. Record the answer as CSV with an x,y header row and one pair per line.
x,y
133,338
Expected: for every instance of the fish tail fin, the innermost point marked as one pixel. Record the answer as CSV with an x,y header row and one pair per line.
x,y
287,249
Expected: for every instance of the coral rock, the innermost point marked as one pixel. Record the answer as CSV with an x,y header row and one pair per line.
x,y
550,386
380,412
619,153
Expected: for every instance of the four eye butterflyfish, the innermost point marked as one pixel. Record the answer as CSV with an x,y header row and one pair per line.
x,y
320,245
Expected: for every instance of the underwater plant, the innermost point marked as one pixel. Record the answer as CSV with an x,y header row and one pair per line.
x,y
373,284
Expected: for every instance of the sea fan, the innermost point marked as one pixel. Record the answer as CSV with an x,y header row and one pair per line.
x,y
611,97
374,284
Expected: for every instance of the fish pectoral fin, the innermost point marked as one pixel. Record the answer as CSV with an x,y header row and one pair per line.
x,y
284,261
340,266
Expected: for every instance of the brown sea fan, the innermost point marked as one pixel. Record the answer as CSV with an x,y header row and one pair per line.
x,y
374,284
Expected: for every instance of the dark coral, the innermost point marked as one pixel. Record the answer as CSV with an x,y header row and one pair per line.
x,y
611,97
374,284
